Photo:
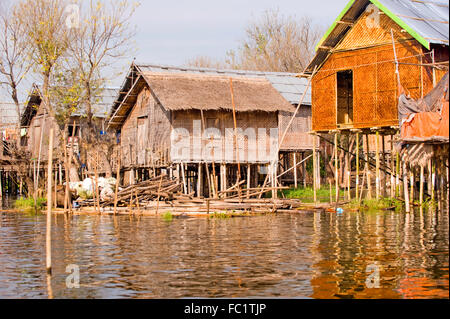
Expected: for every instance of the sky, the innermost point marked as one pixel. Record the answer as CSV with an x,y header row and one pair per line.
x,y
172,31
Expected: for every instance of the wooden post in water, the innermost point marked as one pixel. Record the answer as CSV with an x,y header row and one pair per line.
x,y
116,190
249,170
336,168
357,165
397,175
314,169
422,173
369,182
392,168
97,194
295,170
411,174
433,179
199,180
405,186
48,238
377,161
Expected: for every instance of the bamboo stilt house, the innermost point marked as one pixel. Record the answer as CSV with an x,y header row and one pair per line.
x,y
36,123
172,118
356,85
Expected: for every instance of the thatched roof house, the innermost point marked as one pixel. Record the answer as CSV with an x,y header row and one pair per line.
x,y
155,101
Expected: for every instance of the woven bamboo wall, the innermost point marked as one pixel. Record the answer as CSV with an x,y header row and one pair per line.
x,y
222,149
368,52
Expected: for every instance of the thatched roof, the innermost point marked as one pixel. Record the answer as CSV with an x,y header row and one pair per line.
x,y
210,92
177,91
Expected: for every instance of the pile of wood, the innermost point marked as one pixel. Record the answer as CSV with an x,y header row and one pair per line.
x,y
159,188
161,194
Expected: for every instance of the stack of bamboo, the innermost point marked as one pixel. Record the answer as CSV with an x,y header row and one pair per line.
x,y
157,188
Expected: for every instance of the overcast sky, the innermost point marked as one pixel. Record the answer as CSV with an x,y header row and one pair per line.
x,y
172,31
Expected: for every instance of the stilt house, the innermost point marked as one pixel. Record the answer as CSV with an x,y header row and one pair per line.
x,y
374,51
181,119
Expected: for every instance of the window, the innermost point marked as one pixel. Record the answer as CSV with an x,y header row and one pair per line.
x,y
345,97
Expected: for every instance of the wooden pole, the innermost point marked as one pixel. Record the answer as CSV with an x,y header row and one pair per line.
x,y
397,175
369,182
116,190
304,169
159,190
249,169
49,205
238,177
357,165
295,170
184,179
377,161
411,174
199,180
422,173
384,173
392,168
96,183
433,179
336,168
405,186
206,164
55,204
314,169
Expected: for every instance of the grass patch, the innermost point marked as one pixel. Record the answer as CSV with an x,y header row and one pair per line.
x,y
375,205
27,204
307,194
221,215
168,217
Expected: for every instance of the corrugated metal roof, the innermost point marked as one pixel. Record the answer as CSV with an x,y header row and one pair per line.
x,y
8,115
428,18
287,84
425,20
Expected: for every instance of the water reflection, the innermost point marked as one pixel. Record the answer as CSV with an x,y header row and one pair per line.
x,y
318,255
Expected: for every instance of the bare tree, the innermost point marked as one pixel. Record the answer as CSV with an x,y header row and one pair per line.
x,y
276,43
44,22
103,37
14,50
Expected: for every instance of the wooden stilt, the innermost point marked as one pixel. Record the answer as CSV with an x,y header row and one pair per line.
x,y
304,169
422,173
199,181
377,161
397,175
433,179
405,187
183,176
385,168
295,170
249,169
119,154
48,240
55,204
331,191
314,169
357,166
368,173
392,168
411,175
336,168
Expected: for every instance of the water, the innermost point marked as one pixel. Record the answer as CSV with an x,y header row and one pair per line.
x,y
308,255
